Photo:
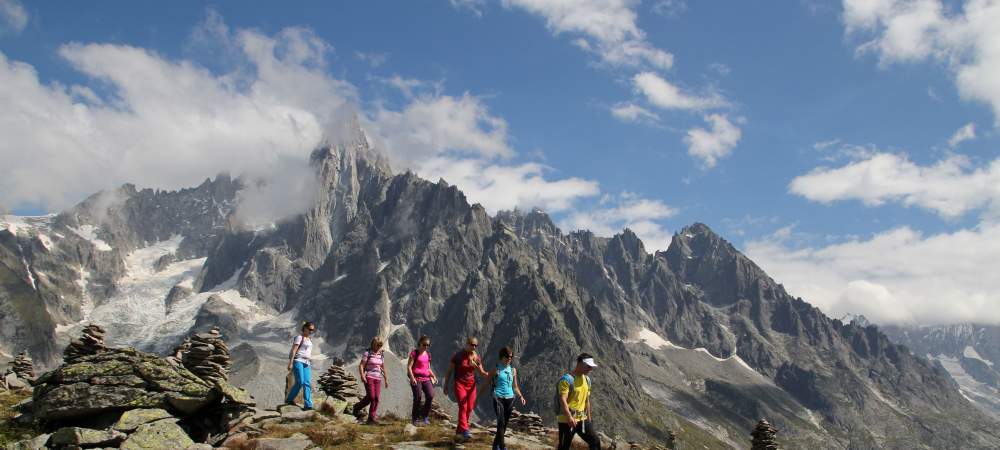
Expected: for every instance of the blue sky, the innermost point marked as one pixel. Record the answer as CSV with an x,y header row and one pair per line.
x,y
850,148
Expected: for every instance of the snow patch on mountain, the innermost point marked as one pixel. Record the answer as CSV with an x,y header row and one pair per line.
x,y
653,340
978,393
971,352
139,301
89,232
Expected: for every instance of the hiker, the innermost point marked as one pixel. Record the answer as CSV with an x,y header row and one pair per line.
x,y
465,364
575,413
505,387
422,380
298,364
372,370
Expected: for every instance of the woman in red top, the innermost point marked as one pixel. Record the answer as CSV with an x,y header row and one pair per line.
x,y
422,380
465,364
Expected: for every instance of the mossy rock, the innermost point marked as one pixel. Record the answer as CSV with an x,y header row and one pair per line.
x,y
132,419
158,435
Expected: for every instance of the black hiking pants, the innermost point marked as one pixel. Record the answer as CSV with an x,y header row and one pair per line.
x,y
503,407
585,429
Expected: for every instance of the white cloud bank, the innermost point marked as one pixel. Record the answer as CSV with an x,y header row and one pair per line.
x,y
169,124
950,187
899,276
962,35
627,210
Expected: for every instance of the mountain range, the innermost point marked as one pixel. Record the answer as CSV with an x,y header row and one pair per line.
x,y
696,339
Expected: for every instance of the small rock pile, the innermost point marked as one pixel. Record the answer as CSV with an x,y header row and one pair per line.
x,y
530,423
763,436
208,357
339,383
176,356
90,342
23,367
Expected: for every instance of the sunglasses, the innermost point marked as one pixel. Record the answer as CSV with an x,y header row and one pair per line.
x,y
473,345
425,345
310,329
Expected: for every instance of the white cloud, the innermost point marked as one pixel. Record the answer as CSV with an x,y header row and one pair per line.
x,y
966,133
171,123
476,6
608,27
666,95
898,276
429,125
373,59
712,145
966,39
627,210
506,187
669,8
13,17
949,187
409,86
630,112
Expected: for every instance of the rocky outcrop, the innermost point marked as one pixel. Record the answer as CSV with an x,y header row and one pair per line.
x,y
115,381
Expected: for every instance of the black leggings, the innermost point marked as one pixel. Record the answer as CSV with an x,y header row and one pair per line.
x,y
502,407
583,428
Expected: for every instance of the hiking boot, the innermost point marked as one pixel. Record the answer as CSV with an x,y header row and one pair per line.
x,y
466,436
426,421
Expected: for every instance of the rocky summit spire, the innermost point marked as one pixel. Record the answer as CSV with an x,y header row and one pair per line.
x,y
763,436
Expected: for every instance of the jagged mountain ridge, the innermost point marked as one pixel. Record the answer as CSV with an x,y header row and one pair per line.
x,y
969,352
696,338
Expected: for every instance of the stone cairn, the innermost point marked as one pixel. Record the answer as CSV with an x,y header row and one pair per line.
x,y
90,342
338,383
176,357
763,436
208,356
23,367
530,423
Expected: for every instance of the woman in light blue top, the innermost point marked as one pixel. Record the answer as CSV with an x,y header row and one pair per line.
x,y
505,387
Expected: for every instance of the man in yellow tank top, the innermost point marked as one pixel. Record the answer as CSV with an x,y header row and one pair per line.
x,y
574,399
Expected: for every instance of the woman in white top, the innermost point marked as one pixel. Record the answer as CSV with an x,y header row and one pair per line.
x,y
299,363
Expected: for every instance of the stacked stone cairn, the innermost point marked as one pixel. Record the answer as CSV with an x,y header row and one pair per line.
x,y
91,342
23,367
176,356
530,423
338,383
208,357
763,436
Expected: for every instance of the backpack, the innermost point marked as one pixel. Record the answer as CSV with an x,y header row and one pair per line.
x,y
556,400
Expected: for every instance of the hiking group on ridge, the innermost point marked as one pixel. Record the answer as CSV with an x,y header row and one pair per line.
x,y
571,402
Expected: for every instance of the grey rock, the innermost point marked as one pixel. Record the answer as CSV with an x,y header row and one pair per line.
x,y
158,435
132,419
299,416
35,443
85,437
291,443
284,409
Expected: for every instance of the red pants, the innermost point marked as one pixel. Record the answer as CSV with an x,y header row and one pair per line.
x,y
373,390
465,394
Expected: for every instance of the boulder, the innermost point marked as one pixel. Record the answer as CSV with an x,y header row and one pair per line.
x,y
85,437
118,380
15,383
132,419
294,442
288,408
34,443
161,434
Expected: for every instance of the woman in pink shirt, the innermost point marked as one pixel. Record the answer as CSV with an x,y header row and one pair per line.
x,y
422,379
372,370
